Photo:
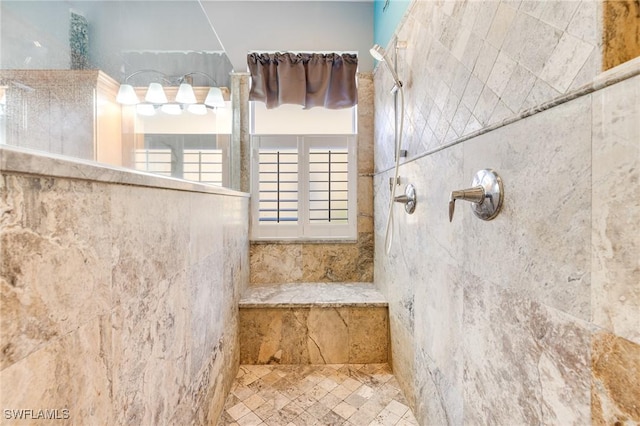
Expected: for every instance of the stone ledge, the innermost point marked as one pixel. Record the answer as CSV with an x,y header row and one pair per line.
x,y
313,295
314,323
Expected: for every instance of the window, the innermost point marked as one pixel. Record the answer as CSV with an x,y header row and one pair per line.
x,y
304,173
153,160
303,187
204,165
195,157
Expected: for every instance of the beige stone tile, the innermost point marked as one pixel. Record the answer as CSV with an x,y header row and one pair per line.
x,y
305,400
250,420
242,392
554,344
82,388
368,335
239,410
341,392
328,330
329,400
362,416
615,390
386,418
565,62
383,400
318,410
317,392
276,263
615,293
351,384
305,419
397,408
56,271
253,402
620,21
409,418
344,410
330,263
328,384
559,276
332,418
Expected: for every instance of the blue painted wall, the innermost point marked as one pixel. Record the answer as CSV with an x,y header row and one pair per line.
x,y
386,21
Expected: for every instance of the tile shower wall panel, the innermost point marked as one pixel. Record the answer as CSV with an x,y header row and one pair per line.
x,y
615,291
529,318
543,233
470,64
532,317
139,283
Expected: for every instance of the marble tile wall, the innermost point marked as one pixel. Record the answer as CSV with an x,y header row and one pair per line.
x,y
273,263
532,317
119,302
471,64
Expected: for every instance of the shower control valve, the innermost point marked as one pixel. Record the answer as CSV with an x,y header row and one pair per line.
x,y
485,195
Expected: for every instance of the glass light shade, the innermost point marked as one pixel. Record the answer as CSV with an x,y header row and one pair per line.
x,y
172,109
214,98
155,94
127,95
185,94
197,109
145,109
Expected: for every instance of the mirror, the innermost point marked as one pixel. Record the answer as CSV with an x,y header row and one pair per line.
x,y
61,66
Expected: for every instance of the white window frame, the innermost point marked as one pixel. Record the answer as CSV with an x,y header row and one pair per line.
x,y
304,229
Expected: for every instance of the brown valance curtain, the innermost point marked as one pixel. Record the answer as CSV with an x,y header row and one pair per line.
x,y
307,79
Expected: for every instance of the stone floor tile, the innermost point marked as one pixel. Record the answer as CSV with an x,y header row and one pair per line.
x,y
316,395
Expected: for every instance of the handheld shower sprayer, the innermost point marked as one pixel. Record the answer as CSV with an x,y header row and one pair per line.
x,y
379,54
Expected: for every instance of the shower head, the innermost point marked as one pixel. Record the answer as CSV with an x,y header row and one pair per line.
x,y
379,54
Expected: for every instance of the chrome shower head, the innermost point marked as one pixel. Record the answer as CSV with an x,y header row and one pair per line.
x,y
379,54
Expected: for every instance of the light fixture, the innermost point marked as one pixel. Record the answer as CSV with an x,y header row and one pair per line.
x,y
127,95
185,94
146,109
214,98
171,109
197,109
155,94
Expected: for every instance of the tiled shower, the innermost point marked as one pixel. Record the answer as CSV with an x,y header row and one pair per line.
x,y
117,308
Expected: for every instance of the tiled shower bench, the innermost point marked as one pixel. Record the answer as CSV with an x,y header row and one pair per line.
x,y
314,323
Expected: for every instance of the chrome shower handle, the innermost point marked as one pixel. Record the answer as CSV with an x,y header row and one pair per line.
x,y
475,195
486,195
408,199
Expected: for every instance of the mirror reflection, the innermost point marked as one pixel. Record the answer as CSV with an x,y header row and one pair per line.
x,y
151,96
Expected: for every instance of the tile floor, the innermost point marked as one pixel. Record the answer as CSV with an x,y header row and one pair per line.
x,y
296,395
